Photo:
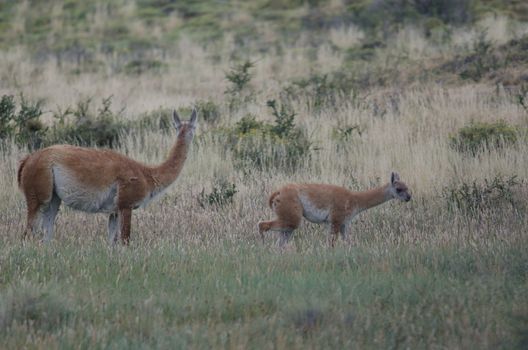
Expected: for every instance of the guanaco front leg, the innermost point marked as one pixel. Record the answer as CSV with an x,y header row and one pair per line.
x,y
343,229
335,229
125,218
113,227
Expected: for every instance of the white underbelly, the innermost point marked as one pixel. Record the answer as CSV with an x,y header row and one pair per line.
x,y
312,213
80,197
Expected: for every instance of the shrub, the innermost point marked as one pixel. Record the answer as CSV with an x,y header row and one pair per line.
x,y
7,113
345,133
83,126
389,14
263,151
239,76
209,111
284,116
247,125
23,125
222,193
473,197
321,91
486,60
481,61
264,145
449,11
522,96
479,135
140,66
365,52
160,119
240,91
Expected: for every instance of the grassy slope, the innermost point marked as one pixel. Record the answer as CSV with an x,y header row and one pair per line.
x,y
128,26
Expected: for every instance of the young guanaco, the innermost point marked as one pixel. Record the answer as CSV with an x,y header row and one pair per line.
x,y
321,203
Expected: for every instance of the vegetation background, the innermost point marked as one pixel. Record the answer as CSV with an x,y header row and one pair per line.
x,y
333,91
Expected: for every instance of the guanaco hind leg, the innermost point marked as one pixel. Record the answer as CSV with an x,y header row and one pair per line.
x,y
38,191
32,218
48,216
289,211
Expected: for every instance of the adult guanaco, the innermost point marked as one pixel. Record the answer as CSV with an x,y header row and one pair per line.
x,y
321,203
97,181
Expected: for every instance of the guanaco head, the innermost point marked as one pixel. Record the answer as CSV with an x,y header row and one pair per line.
x,y
398,189
185,130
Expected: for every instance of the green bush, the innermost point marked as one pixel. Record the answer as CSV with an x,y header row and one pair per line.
x,y
209,111
160,119
321,90
345,133
388,15
222,194
280,145
248,124
85,127
240,91
488,61
284,125
479,135
474,197
80,125
23,124
140,66
522,96
481,61
365,52
7,116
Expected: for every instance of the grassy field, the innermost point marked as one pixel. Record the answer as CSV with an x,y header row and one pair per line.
x,y
447,270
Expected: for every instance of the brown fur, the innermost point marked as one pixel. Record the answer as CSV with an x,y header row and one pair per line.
x,y
122,182
21,165
272,198
321,203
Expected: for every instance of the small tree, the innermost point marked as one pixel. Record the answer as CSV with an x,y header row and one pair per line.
x,y
240,91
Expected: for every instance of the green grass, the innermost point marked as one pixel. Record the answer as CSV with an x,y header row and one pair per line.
x,y
242,294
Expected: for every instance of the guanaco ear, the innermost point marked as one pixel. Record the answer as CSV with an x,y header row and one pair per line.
x,y
394,177
176,120
194,115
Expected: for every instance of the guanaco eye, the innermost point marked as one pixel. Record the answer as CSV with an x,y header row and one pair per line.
x,y
399,190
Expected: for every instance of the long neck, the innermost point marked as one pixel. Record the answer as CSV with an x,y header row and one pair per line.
x,y
165,173
373,197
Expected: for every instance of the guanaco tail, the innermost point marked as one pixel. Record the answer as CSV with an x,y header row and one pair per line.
x,y
321,203
97,181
